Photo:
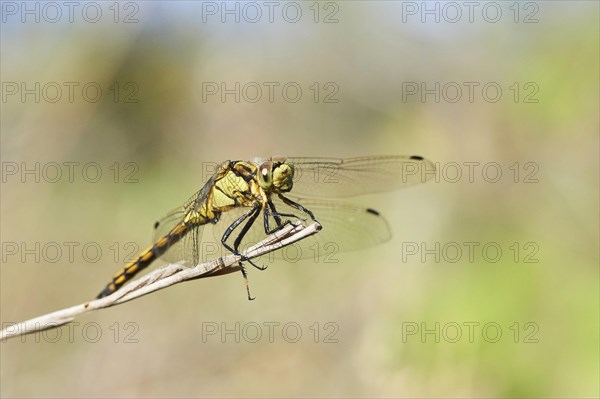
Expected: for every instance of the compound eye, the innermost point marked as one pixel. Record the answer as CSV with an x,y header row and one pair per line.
x,y
265,172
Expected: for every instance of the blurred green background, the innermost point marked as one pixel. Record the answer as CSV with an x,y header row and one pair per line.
x,y
155,128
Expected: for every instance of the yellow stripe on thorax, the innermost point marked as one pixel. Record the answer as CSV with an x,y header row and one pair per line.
x,y
235,188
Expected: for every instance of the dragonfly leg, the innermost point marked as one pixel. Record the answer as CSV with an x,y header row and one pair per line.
x,y
296,205
271,208
245,274
240,237
253,214
249,223
271,211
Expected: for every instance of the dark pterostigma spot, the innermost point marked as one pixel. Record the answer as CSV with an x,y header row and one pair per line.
x,y
416,158
156,224
373,211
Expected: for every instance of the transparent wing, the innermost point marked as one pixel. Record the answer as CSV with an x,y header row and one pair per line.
x,y
346,177
345,228
164,225
187,249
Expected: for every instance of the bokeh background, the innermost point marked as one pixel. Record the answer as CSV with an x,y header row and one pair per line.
x,y
155,127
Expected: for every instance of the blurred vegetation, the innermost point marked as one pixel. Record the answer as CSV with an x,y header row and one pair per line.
x,y
169,133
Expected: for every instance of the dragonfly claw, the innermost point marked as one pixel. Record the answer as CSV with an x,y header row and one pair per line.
x,y
255,265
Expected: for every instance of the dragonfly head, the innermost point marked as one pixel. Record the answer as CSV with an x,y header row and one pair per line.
x,y
276,175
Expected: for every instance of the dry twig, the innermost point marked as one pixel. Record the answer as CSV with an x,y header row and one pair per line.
x,y
164,277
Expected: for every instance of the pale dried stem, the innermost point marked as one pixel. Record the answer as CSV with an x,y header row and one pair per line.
x,y
164,277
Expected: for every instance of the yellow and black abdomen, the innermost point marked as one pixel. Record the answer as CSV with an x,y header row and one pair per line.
x,y
233,186
146,258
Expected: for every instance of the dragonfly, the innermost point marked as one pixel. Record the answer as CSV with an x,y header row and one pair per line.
x,y
283,190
